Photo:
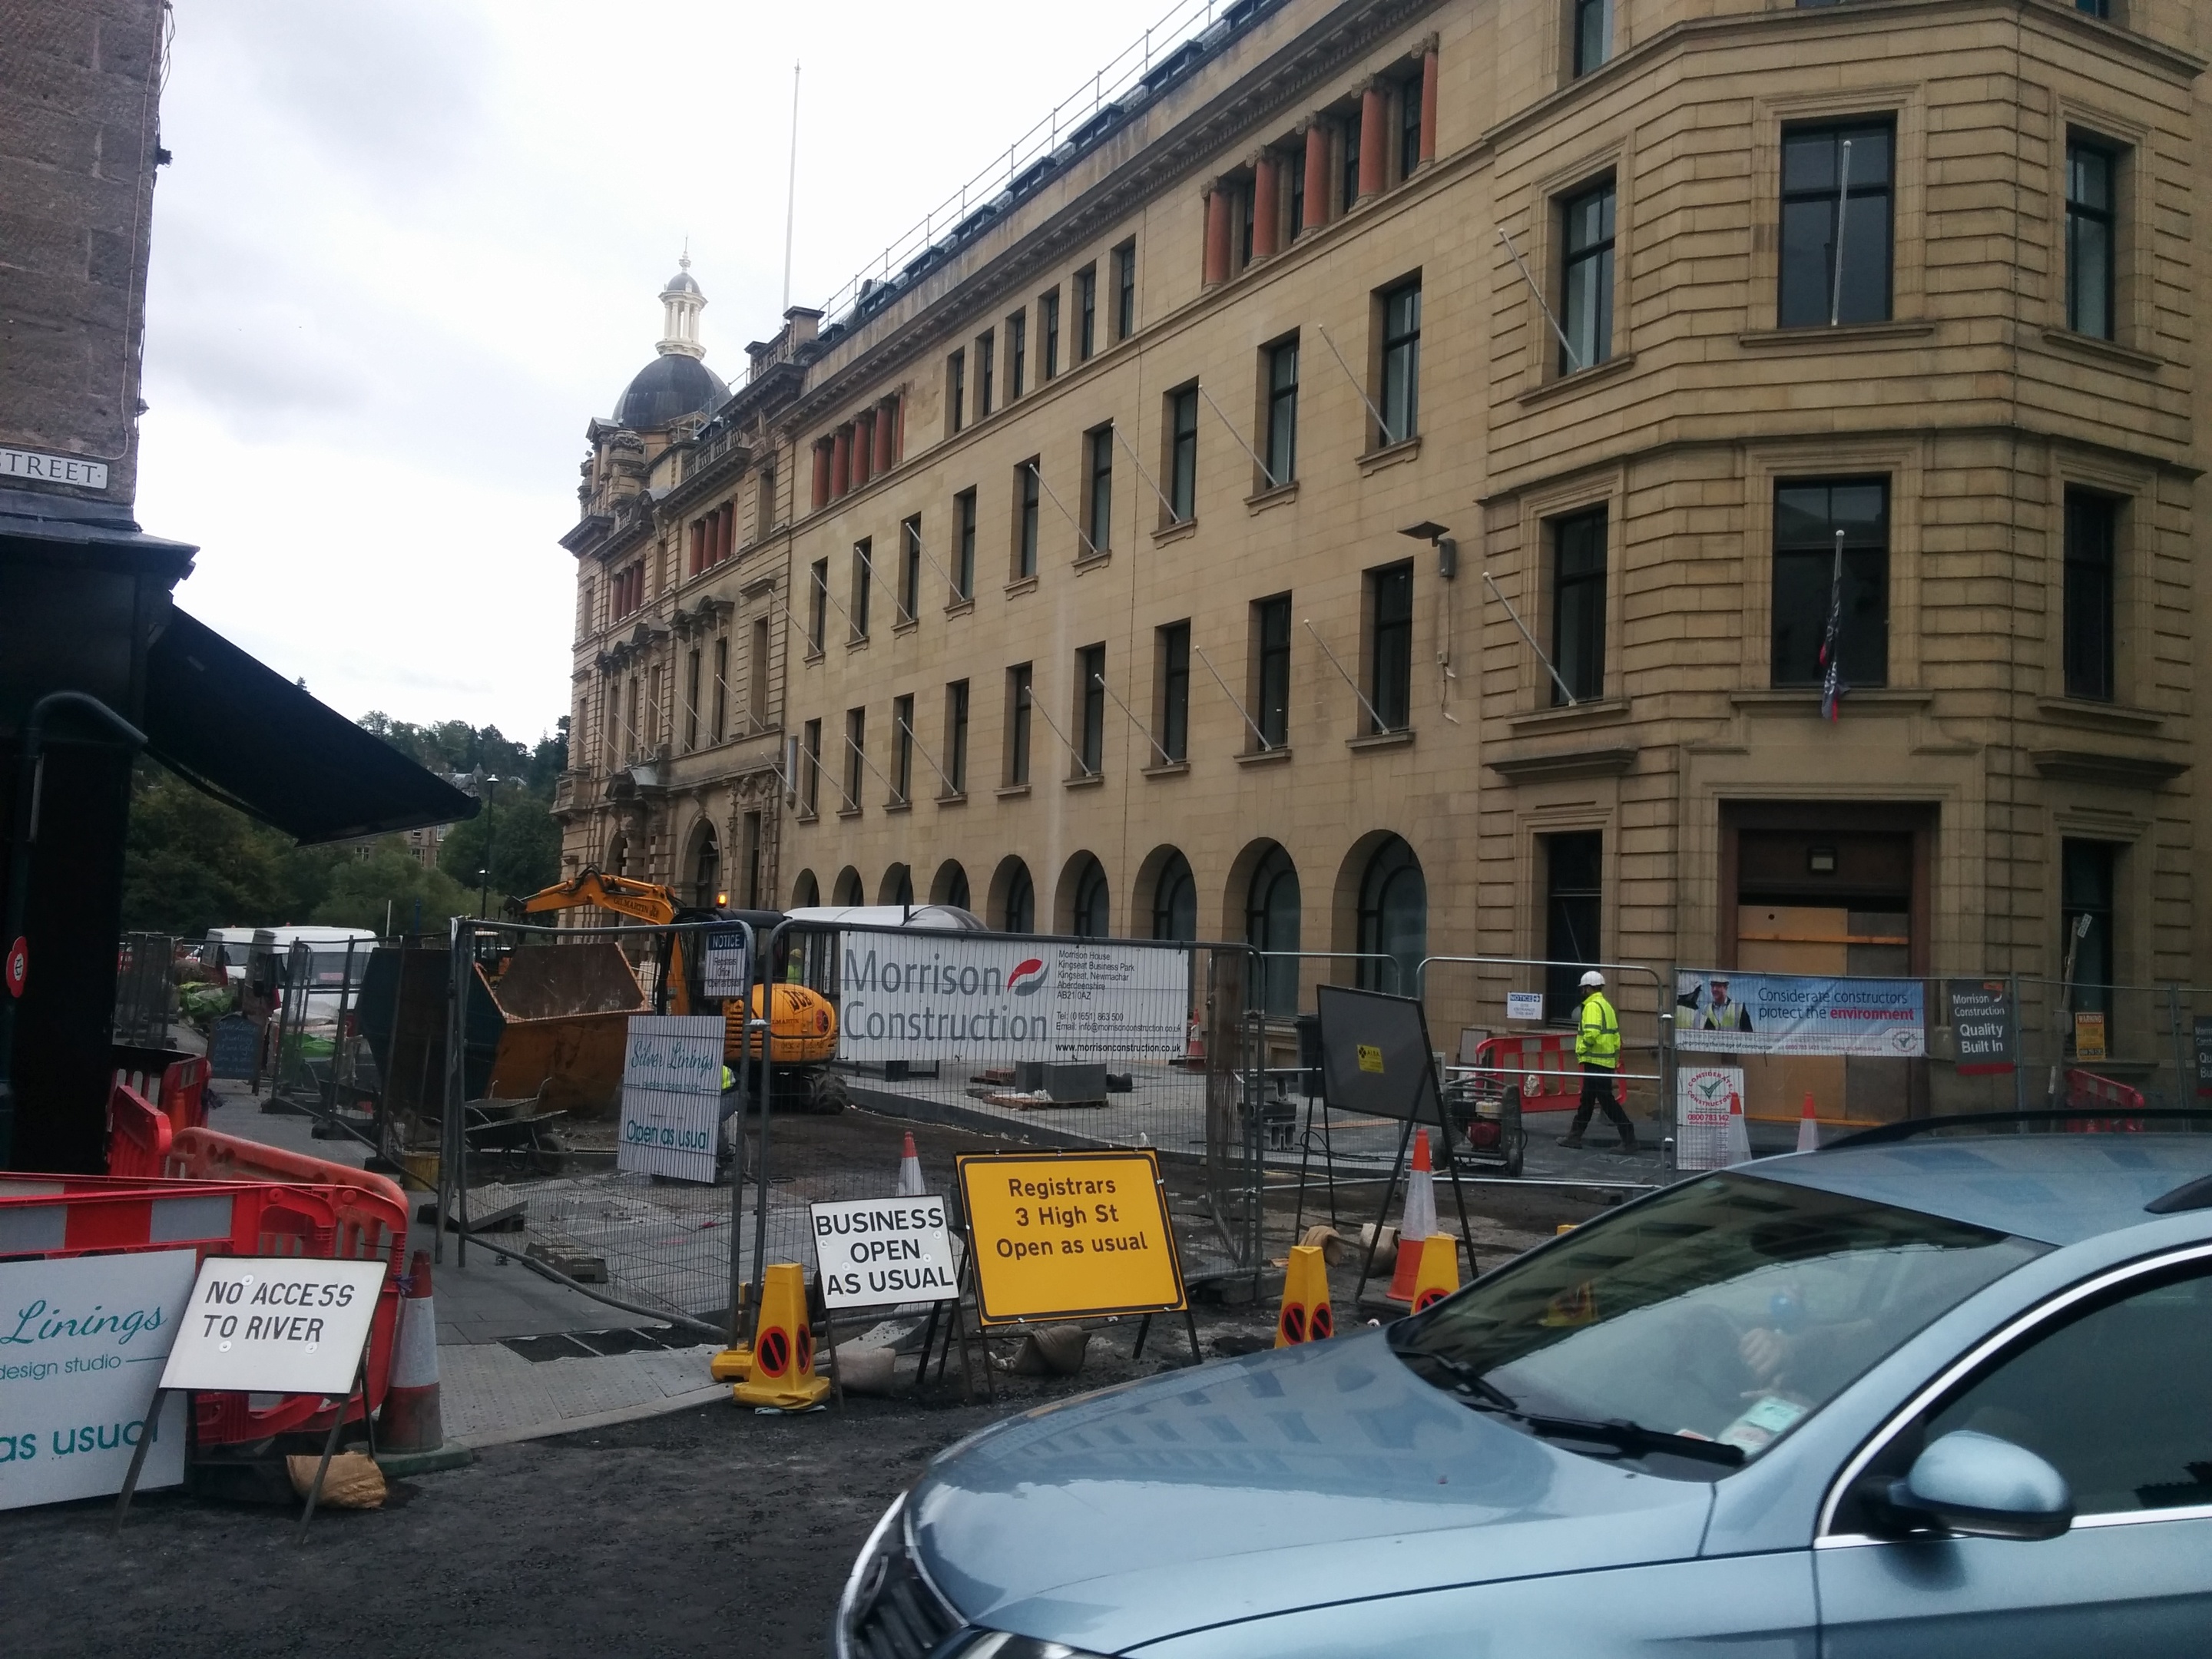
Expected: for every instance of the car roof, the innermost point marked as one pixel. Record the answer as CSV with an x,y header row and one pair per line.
x,y
2057,1189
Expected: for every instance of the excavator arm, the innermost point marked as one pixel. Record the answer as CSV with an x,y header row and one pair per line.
x,y
644,901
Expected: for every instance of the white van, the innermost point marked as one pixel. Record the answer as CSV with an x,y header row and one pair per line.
x,y
231,948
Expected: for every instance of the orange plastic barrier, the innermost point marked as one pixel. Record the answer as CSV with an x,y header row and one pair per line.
x,y
194,1188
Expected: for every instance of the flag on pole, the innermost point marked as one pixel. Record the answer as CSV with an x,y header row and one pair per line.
x,y
1831,667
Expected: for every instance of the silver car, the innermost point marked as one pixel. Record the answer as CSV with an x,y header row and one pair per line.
x,y
1926,1396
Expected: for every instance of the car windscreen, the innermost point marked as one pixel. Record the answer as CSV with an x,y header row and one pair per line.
x,y
1694,1329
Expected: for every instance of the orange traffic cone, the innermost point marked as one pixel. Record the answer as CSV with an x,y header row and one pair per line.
x,y
410,1428
909,1181
1419,1221
1739,1132
1438,1276
1306,1316
1809,1127
782,1376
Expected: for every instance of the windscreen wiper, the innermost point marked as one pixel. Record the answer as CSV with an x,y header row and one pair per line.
x,y
1632,1438
1471,1380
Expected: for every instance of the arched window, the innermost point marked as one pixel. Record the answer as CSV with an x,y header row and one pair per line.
x,y
1175,901
1092,917
1021,902
1272,908
849,890
805,892
1394,918
951,886
898,884
706,869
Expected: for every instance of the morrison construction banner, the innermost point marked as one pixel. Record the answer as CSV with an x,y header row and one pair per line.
x,y
967,997
1720,1012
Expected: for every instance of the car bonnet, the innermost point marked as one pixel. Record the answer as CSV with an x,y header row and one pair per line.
x,y
1313,1474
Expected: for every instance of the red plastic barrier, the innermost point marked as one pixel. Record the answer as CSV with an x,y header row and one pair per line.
x,y
175,1082
2086,1092
218,1196
1540,1064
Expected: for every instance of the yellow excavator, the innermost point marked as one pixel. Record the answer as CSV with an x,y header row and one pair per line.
x,y
804,1023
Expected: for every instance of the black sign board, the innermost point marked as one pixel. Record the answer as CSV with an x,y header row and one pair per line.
x,y
2204,1029
1374,1054
1982,1023
231,1048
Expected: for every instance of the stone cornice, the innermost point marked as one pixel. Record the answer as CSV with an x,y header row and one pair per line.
x,y
2105,768
1608,761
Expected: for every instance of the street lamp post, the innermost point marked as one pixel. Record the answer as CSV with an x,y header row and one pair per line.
x,y
483,875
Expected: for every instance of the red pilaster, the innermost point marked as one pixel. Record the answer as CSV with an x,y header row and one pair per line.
x,y
841,462
886,431
821,472
1372,139
1428,106
1217,235
1266,205
863,447
1316,175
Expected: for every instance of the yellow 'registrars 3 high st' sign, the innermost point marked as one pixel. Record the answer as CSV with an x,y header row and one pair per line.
x,y
1073,1237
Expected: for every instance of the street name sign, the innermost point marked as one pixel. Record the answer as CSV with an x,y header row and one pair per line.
x,y
275,1325
34,467
82,1341
872,1252
1071,1236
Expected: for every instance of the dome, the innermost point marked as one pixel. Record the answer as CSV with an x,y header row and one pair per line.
x,y
681,282
672,385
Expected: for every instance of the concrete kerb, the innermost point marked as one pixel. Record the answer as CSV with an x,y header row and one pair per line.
x,y
713,1394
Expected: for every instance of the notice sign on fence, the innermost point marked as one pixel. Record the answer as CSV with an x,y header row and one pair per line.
x,y
1069,1238
964,997
82,1341
275,1325
1799,1014
875,1251
1703,1098
1981,1024
2203,1030
726,970
671,1095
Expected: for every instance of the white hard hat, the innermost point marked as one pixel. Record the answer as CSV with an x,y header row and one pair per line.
x,y
1593,980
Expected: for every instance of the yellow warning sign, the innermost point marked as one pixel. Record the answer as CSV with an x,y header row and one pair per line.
x,y
1070,1236
1370,1059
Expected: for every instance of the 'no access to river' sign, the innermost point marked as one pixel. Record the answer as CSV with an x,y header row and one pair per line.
x,y
1073,1237
874,1252
82,1340
275,1325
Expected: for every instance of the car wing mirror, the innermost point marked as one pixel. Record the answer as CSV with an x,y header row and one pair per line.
x,y
1975,1486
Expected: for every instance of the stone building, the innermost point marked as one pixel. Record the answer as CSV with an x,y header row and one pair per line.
x,y
1394,481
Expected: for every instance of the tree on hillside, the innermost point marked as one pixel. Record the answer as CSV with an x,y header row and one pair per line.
x,y
192,863
526,846
390,885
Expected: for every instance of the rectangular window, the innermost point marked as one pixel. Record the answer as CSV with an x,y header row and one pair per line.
x,y
1027,491
1348,182
810,777
1049,331
691,661
987,365
1282,422
1098,495
963,544
2095,7
1409,126
817,607
856,749
1018,725
1400,402
2091,524
955,390
1578,606
1586,279
764,509
2090,172
864,584
956,736
902,749
756,678
1091,708
1125,290
1018,354
1271,670
1835,265
1593,34
1086,314
1832,575
910,567
1182,454
2087,882
1574,912
1294,169
721,727
1171,725
752,854
1390,645
1248,197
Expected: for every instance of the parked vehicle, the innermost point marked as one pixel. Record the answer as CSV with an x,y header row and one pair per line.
x,y
1921,1397
233,949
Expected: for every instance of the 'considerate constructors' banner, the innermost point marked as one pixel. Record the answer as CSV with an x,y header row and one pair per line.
x,y
1732,1013
964,997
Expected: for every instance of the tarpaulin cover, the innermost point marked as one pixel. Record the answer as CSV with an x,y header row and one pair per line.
x,y
246,735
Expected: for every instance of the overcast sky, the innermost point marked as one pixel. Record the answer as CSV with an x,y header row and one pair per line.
x,y
407,248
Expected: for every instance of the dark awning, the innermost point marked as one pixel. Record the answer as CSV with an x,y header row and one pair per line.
x,y
248,736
